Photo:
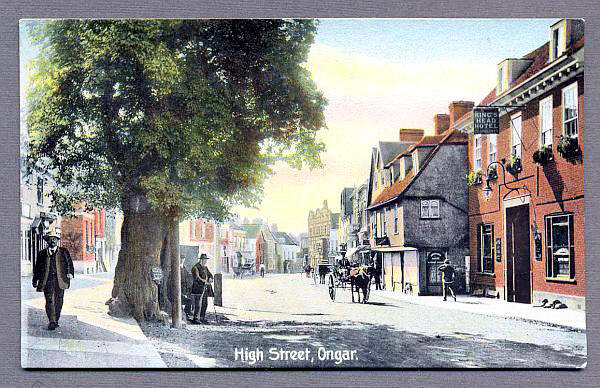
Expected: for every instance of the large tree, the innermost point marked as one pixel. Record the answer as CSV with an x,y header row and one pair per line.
x,y
167,119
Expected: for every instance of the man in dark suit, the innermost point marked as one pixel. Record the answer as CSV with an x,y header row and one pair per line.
x,y
52,274
201,289
186,288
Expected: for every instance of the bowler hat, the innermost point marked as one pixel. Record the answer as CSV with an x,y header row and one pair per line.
x,y
203,256
51,233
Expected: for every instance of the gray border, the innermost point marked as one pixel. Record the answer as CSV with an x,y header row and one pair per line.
x,y
13,375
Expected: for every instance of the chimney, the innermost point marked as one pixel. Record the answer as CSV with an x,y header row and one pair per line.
x,y
441,123
410,135
458,109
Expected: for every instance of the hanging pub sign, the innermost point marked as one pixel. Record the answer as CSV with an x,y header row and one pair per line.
x,y
486,120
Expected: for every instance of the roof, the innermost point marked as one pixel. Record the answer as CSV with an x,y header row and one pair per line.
x,y
389,149
454,137
251,230
334,220
399,187
284,238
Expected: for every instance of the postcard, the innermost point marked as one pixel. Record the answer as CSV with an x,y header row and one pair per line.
x,y
302,193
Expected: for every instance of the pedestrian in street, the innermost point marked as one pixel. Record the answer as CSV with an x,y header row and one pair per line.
x,y
52,274
201,288
447,279
187,282
262,270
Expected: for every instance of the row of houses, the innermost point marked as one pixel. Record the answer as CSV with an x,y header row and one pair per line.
x,y
506,208
238,244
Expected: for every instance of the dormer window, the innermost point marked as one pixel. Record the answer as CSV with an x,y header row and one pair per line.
x,y
500,79
557,41
415,160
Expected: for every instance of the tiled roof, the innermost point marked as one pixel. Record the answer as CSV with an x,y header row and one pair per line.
x,y
398,187
251,230
284,238
389,149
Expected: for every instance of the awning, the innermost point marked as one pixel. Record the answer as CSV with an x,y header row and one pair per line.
x,y
359,248
393,249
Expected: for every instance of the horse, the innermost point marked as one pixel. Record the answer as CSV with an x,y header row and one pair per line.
x,y
360,279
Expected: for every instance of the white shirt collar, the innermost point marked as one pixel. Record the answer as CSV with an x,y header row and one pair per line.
x,y
52,250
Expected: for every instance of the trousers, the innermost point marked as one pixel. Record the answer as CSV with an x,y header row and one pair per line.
x,y
445,288
198,308
54,299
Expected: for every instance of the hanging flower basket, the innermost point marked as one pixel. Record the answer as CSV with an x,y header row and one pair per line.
x,y
474,178
514,166
568,148
492,173
543,156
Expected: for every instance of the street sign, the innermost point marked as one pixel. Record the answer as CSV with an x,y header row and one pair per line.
x,y
498,249
157,275
486,120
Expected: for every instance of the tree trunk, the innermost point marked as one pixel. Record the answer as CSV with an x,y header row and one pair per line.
x,y
175,278
134,292
164,290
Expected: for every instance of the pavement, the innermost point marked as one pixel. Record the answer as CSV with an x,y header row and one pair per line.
x,y
87,337
568,318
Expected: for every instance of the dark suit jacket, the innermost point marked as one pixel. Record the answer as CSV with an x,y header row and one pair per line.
x,y
200,272
64,266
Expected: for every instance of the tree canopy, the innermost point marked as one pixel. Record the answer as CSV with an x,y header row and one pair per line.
x,y
188,113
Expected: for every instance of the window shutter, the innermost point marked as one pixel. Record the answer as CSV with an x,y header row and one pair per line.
x,y
479,258
549,247
493,249
571,247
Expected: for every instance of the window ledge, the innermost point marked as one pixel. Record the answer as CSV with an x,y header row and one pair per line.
x,y
561,280
486,274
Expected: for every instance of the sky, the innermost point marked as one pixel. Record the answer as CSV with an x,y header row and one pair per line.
x,y
379,75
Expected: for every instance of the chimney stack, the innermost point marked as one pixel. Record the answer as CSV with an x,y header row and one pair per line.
x,y
441,123
410,135
458,109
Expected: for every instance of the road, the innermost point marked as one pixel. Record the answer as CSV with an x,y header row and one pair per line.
x,y
292,323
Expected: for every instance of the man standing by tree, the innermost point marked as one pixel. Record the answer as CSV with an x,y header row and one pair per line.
x,y
201,288
187,282
52,274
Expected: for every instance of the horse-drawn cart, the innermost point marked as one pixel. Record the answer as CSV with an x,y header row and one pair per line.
x,y
244,270
357,278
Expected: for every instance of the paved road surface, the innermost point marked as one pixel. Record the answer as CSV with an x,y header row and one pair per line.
x,y
290,313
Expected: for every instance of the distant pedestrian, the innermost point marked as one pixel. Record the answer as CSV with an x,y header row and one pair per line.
x,y
447,279
52,274
187,282
262,270
201,288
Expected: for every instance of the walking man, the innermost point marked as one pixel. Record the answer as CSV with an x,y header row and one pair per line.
x,y
447,279
52,274
201,288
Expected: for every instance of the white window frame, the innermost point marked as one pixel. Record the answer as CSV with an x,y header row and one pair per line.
x,y
415,160
545,114
384,221
427,208
492,148
574,119
500,79
481,263
550,259
515,141
477,159
558,43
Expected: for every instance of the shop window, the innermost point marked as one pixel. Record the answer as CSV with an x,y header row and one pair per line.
x,y
560,247
485,242
570,113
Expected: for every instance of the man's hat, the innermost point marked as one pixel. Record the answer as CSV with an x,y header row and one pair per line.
x,y
203,256
51,233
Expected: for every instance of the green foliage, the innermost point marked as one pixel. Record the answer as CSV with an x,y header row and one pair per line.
x,y
492,173
189,113
543,156
568,148
514,165
474,178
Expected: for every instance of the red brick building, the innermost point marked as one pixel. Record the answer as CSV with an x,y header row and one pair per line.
x,y
260,250
527,223
83,235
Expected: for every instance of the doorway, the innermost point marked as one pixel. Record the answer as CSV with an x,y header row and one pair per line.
x,y
518,260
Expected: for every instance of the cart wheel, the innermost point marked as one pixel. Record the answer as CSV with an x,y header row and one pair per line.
x,y
331,288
